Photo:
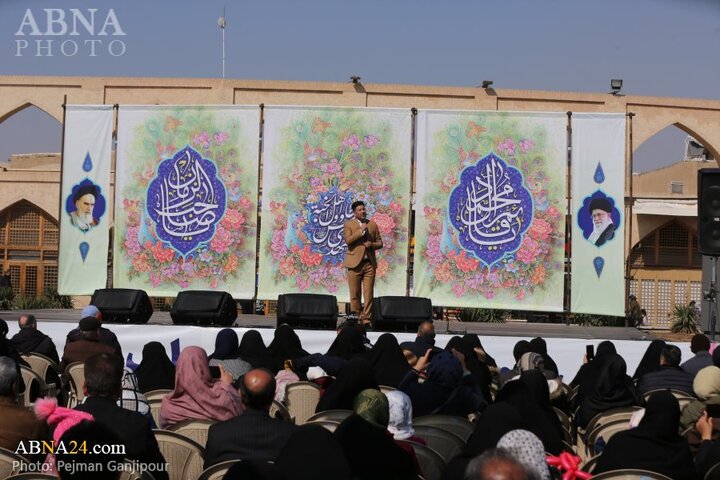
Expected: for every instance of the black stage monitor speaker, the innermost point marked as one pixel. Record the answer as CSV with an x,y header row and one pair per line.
x,y
307,310
204,307
401,313
123,305
709,211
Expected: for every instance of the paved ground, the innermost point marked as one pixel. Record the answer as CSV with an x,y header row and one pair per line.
x,y
511,329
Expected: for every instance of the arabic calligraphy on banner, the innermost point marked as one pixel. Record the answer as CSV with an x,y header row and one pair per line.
x,y
491,195
327,217
491,209
317,161
186,209
186,200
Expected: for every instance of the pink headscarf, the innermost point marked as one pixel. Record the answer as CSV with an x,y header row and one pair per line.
x,y
62,418
195,395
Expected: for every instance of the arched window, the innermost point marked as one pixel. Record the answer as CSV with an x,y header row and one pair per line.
x,y
29,240
671,245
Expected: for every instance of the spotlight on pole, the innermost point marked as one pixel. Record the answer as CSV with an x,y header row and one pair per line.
x,y
616,85
355,79
486,84
222,24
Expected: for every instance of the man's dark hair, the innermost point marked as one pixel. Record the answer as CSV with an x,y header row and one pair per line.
x,y
89,465
699,343
259,400
672,355
103,375
356,204
8,376
30,321
494,461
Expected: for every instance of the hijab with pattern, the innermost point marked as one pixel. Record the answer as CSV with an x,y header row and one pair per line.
x,y
400,419
373,406
527,448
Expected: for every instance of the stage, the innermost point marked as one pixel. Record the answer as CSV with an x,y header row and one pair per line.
x,y
566,343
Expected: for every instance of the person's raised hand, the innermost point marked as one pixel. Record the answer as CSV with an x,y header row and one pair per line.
x,y
460,356
704,426
423,361
225,377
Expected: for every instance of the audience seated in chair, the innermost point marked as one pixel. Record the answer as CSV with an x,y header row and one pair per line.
x,y
156,371
196,394
354,377
700,346
653,445
105,336
400,419
86,345
226,354
528,450
706,386
668,375
310,442
103,388
253,434
18,424
31,340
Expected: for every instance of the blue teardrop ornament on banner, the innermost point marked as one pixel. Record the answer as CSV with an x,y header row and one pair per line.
x,y
87,164
599,263
84,249
599,176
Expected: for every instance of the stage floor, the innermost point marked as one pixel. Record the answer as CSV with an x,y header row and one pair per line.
x,y
509,329
566,343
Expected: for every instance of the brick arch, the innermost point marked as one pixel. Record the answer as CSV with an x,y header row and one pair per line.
x,y
704,129
54,111
21,199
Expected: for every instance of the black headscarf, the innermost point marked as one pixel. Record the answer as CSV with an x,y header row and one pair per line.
x,y
613,389
255,469
354,377
387,361
252,349
308,442
651,360
479,370
475,342
155,371
527,396
495,421
372,453
348,343
286,345
226,345
654,444
589,373
716,357
538,345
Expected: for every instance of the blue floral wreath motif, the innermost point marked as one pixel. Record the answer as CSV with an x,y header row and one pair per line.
x,y
491,209
326,219
186,200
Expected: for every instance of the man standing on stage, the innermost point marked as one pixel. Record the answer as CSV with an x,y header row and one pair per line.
x,y
363,238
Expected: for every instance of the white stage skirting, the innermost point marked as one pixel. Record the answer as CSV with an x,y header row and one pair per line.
x,y
567,353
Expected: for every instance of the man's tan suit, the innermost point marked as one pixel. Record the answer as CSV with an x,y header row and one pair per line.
x,y
361,263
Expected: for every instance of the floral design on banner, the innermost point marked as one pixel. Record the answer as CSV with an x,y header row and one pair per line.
x,y
326,219
186,200
453,264
490,209
333,155
206,260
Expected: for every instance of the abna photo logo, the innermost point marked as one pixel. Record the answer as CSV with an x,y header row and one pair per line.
x,y
56,23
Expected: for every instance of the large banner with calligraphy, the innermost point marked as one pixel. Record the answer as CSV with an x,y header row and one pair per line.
x,y
186,214
598,229
85,199
490,210
316,162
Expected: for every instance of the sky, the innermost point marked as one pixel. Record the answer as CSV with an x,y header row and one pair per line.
x,y
658,47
